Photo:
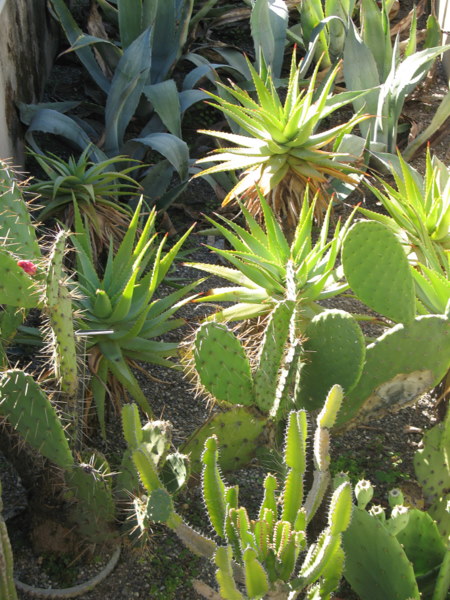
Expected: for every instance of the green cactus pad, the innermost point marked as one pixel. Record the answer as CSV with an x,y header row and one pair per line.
x,y
433,474
422,542
376,565
175,472
271,354
378,271
159,506
17,288
334,353
401,365
28,409
237,431
90,492
222,365
16,230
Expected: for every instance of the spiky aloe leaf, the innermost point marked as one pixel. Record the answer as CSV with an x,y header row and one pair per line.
x,y
334,352
222,364
378,271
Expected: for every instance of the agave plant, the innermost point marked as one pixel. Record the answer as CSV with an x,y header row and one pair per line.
x,y
120,318
283,152
96,187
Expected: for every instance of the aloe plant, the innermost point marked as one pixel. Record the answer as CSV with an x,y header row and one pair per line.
x,y
96,187
120,318
282,153
262,553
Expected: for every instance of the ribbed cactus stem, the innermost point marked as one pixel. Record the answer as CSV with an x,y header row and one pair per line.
x,y
224,574
7,587
295,459
131,425
58,307
333,402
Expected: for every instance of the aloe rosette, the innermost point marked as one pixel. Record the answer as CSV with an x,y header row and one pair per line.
x,y
283,153
120,318
267,268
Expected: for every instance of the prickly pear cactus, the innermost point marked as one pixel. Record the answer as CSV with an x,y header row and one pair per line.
x,y
7,587
16,230
58,307
90,493
222,365
29,410
378,271
238,432
334,352
400,366
375,564
431,464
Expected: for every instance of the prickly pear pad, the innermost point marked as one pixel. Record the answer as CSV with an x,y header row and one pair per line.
x,y
378,271
433,474
370,550
400,366
334,353
222,364
237,432
28,409
16,287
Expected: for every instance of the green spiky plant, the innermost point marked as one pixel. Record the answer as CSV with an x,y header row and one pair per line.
x,y
97,188
262,553
408,555
120,317
280,149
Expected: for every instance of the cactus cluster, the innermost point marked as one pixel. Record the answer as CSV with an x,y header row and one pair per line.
x,y
400,556
262,553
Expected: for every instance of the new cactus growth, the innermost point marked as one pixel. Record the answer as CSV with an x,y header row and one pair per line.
x,y
263,553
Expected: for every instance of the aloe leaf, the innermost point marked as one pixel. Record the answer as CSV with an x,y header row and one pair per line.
x,y
166,102
268,25
171,147
126,89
